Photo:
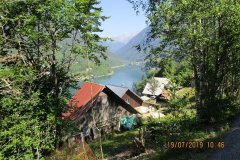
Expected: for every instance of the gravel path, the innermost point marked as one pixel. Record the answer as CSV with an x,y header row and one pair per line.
x,y
231,150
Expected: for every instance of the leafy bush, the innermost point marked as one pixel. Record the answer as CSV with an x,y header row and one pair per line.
x,y
220,110
27,130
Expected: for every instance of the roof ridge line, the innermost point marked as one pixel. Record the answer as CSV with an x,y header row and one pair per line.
x,y
116,86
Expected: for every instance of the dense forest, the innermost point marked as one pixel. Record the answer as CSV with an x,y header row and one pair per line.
x,y
41,42
198,49
35,69
199,42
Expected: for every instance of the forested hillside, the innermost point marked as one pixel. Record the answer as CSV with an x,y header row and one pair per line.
x,y
102,65
84,68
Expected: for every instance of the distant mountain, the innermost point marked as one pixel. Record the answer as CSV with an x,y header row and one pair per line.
x,y
113,46
129,51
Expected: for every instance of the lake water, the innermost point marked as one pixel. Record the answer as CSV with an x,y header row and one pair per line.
x,y
123,76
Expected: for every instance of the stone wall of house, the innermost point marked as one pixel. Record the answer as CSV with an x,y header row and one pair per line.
x,y
104,113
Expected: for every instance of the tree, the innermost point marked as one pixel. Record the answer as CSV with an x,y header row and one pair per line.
x,y
153,85
206,33
26,130
40,40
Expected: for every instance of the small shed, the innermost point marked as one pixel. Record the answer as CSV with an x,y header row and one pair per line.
x,y
127,95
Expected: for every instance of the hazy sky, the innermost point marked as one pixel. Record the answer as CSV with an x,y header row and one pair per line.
x,y
123,22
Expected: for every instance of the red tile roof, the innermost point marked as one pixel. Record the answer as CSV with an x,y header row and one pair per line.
x,y
84,95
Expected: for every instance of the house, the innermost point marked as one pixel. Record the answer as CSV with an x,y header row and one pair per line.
x,y
157,87
96,109
127,95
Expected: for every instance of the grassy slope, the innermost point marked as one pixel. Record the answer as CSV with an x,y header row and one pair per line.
x,y
114,143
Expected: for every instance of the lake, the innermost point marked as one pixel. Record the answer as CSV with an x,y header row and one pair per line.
x,y
123,76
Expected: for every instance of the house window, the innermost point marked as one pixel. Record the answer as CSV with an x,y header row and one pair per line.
x,y
127,100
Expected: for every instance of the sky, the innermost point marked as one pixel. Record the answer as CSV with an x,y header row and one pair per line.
x,y
123,23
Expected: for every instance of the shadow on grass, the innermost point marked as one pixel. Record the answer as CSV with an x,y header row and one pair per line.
x,y
115,143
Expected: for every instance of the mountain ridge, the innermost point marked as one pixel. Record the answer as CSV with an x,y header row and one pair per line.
x,y
129,51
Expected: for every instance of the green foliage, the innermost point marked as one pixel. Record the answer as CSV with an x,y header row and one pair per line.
x,y
177,105
40,40
139,86
179,72
27,130
171,129
153,85
84,68
182,102
205,35
222,110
